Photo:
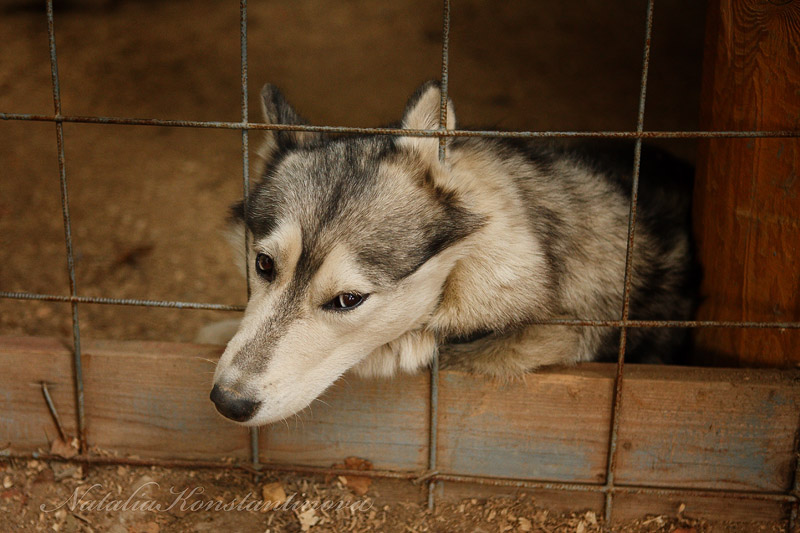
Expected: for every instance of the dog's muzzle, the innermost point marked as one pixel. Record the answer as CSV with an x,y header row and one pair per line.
x,y
233,406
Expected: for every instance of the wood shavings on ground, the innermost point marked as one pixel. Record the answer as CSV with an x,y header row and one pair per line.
x,y
358,484
39,496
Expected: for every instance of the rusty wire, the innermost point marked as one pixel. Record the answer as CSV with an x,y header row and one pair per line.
x,y
254,446
350,130
616,406
62,174
433,422
431,476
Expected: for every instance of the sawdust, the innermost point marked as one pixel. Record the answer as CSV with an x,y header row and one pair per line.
x,y
63,497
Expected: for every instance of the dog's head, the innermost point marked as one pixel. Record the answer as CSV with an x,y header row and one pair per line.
x,y
351,240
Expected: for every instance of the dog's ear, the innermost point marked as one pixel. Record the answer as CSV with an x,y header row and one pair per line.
x,y
278,111
423,112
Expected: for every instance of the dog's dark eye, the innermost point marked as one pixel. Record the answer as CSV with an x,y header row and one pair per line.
x,y
265,267
346,301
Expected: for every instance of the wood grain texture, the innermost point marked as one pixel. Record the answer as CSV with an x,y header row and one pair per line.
x,y
747,191
553,425
26,362
151,399
708,429
385,421
718,429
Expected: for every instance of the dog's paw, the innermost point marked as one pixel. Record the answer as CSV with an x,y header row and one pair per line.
x,y
410,352
217,332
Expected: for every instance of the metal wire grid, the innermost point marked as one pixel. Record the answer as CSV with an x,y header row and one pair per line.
x,y
431,476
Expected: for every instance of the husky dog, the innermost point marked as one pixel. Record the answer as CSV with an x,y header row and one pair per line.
x,y
369,253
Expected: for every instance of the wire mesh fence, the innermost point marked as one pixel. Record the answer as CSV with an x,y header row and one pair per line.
x,y
432,476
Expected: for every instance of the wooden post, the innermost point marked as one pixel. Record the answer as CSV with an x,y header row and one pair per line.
x,y
747,192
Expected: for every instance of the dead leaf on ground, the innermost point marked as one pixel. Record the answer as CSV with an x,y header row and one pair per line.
x,y
358,484
63,449
274,494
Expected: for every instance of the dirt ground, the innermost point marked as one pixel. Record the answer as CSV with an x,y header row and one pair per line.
x,y
148,204
62,497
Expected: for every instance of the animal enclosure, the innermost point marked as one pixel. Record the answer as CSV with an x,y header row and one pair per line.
x,y
621,439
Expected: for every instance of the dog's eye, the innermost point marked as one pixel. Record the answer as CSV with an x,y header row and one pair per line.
x,y
346,301
265,267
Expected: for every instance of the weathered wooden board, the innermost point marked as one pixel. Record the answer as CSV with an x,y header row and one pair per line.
x,y
698,428
385,421
553,425
708,428
25,421
151,399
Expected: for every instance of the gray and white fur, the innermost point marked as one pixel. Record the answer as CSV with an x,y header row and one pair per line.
x,y
368,253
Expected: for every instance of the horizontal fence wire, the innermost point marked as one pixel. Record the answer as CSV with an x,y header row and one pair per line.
x,y
530,484
630,323
119,301
348,130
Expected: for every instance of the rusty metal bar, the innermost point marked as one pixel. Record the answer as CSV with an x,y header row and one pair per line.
x,y
623,337
245,132
434,374
254,447
445,80
119,301
53,412
130,121
549,322
76,331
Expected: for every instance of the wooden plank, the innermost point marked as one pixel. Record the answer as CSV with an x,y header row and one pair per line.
x,y
682,427
25,422
747,193
708,428
552,425
385,421
151,399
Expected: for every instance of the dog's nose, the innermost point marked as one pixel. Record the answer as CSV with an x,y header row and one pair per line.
x,y
233,406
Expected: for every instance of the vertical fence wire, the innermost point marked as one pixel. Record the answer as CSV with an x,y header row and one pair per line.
x,y
62,173
254,446
434,375
623,336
